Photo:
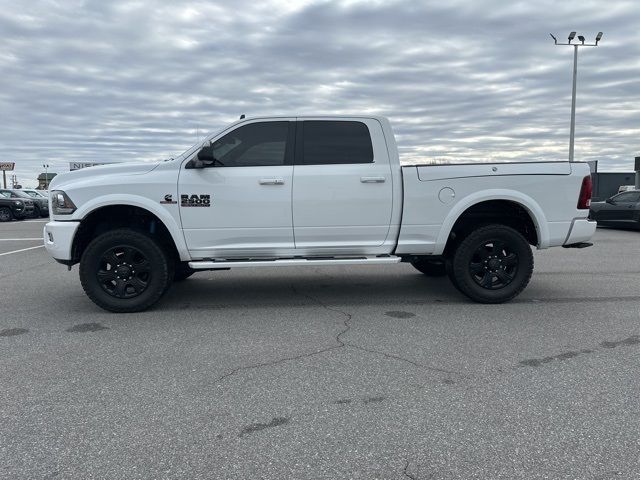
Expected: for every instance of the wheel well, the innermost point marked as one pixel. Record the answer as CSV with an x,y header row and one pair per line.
x,y
503,212
118,216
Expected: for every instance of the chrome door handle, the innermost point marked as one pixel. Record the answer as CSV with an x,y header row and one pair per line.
x,y
372,179
271,181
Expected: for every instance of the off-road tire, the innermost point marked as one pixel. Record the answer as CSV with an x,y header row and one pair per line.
x,y
431,268
156,264
512,259
5,214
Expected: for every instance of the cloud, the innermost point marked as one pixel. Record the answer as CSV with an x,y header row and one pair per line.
x,y
461,81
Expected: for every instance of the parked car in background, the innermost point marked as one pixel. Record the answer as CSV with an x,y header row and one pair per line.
x,y
36,193
14,208
40,205
42,199
621,210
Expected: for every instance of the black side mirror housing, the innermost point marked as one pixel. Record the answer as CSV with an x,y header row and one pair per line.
x,y
206,154
204,158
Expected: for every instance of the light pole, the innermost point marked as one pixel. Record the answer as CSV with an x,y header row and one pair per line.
x,y
46,177
575,46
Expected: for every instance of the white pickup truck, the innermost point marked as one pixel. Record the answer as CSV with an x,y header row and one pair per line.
x,y
287,191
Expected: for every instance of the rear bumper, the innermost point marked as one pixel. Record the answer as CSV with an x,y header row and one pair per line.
x,y
58,239
581,230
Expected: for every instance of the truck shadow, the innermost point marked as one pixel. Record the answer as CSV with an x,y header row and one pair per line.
x,y
271,288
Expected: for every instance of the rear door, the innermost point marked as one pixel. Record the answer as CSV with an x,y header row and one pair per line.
x,y
241,205
342,189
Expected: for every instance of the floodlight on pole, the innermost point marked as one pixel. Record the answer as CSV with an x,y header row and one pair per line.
x,y
575,46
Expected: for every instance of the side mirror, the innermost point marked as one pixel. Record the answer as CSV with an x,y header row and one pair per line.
x,y
610,201
204,158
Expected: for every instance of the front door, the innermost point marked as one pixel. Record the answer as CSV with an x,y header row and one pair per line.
x,y
241,205
342,188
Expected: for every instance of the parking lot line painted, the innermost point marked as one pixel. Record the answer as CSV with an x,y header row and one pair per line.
x,y
18,239
21,250
36,221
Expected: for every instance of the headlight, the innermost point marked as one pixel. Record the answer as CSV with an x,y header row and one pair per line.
x,y
18,203
61,204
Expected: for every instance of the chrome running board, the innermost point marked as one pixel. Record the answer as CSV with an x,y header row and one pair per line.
x,y
292,262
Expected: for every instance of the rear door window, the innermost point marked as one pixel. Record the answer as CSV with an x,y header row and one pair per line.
x,y
332,142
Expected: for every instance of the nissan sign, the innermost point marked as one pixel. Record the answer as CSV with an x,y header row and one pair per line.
x,y
79,165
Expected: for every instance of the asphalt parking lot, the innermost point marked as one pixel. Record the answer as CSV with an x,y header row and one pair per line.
x,y
323,373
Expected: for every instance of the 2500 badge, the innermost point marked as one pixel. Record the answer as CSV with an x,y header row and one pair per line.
x,y
195,200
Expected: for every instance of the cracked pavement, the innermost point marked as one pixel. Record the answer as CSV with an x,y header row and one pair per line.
x,y
325,373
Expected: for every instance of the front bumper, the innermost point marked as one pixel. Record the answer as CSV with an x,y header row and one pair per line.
x,y
58,238
582,229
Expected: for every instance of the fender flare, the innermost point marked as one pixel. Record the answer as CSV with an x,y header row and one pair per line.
x,y
529,204
141,202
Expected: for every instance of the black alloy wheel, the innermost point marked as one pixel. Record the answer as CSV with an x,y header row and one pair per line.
x,y
125,270
493,264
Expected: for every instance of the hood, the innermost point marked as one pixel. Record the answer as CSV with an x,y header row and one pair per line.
x,y
137,168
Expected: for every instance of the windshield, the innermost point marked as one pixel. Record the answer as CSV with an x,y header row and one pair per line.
x,y
15,193
32,194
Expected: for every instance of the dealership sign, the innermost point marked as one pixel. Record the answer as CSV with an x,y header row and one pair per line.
x,y
79,165
7,166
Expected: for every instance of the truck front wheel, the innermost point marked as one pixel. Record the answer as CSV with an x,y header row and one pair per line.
x,y
124,271
493,264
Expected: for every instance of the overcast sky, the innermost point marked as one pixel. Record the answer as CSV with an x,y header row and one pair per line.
x,y
460,80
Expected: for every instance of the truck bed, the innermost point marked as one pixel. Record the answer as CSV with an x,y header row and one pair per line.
x,y
436,195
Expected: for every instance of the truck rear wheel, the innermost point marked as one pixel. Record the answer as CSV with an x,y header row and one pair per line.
x,y
431,268
124,271
492,264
